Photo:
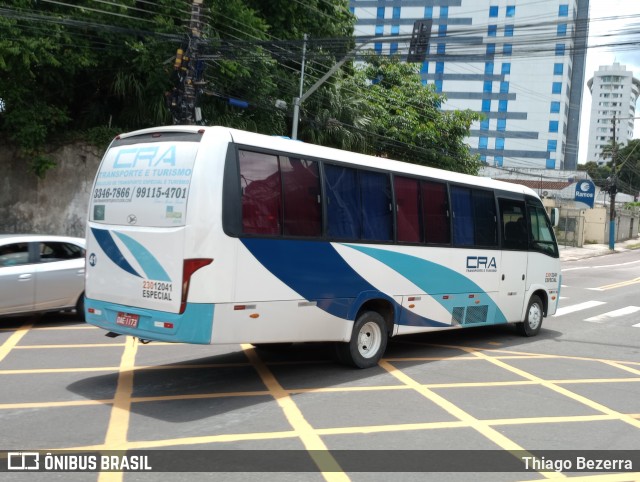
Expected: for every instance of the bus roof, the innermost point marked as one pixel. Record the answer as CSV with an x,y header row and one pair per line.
x,y
312,150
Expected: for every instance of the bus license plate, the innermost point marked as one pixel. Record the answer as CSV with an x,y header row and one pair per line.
x,y
127,319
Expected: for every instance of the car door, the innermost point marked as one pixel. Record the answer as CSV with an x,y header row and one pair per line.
x,y
17,278
59,275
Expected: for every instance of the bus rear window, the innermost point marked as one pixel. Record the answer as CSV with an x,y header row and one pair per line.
x,y
144,184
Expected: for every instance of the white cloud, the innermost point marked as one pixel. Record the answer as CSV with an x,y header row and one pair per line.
x,y
614,36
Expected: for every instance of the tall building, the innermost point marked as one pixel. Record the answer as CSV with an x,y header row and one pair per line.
x,y
521,64
614,93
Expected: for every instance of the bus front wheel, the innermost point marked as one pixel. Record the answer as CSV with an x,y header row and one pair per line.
x,y
533,318
367,344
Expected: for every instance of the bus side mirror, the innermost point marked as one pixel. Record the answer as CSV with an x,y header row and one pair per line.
x,y
555,217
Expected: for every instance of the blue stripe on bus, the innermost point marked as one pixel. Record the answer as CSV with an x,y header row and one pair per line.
x,y
108,245
316,271
433,278
147,261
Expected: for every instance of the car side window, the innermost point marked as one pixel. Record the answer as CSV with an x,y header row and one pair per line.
x,y
14,254
56,251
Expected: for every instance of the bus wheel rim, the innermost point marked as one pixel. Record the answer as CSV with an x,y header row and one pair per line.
x,y
369,339
535,315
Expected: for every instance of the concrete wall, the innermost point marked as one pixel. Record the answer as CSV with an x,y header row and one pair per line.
x,y
56,204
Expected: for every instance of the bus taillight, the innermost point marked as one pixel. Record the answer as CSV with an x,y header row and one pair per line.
x,y
190,267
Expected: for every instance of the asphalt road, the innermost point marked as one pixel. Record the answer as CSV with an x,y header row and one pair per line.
x,y
576,386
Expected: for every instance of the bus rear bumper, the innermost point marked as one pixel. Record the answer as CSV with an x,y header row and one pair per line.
x,y
192,326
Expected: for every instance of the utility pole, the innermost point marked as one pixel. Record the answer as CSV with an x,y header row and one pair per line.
x,y
297,100
613,189
183,98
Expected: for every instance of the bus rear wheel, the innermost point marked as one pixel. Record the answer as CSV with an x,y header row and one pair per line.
x,y
533,318
367,344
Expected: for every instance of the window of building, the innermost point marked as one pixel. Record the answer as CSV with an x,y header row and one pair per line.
x,y
393,48
441,49
428,12
483,142
488,67
552,145
560,48
500,143
562,30
442,31
395,29
558,69
555,107
502,125
563,10
503,105
484,125
506,68
553,126
498,161
508,30
491,49
487,86
439,67
380,13
551,164
486,105
492,30
377,47
379,29
493,11
511,10
444,12
504,87
395,12
507,49
556,88
438,84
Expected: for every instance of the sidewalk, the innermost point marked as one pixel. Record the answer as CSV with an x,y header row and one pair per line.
x,y
568,253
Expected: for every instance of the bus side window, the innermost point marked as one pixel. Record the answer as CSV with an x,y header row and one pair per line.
x,y
343,202
514,225
301,196
408,209
261,193
377,219
435,209
462,207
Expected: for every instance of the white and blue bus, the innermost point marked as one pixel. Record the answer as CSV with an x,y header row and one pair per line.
x,y
214,235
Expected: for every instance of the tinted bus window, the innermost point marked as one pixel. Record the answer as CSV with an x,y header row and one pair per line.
x,y
435,209
485,219
343,202
541,232
301,193
261,199
462,207
408,209
375,192
514,225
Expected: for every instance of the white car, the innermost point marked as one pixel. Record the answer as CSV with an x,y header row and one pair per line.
x,y
40,273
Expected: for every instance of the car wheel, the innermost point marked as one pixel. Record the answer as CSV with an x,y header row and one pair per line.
x,y
80,307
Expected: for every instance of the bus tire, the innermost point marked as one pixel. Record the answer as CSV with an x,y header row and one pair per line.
x,y
367,344
533,318
80,307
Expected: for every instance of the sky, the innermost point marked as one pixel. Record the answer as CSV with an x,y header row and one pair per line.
x,y
613,23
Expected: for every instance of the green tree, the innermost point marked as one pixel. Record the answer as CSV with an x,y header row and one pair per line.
x,y
400,118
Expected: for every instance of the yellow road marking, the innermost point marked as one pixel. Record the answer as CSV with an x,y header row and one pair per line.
x,y
118,425
480,426
621,284
310,439
14,339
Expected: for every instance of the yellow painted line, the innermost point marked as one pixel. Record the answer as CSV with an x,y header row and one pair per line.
x,y
49,371
86,345
622,367
69,403
310,439
14,339
621,284
478,425
561,390
118,425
